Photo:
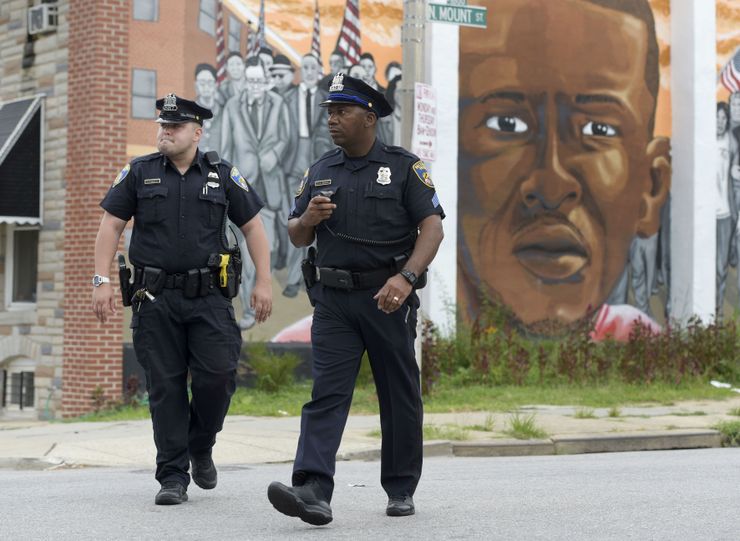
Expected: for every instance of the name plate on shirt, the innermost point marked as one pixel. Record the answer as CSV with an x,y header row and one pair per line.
x,y
324,182
152,181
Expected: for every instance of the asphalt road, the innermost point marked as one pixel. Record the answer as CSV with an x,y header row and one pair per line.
x,y
671,495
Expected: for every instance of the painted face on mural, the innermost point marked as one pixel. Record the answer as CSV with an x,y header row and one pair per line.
x,y
256,82
235,68
722,122
205,84
559,170
310,70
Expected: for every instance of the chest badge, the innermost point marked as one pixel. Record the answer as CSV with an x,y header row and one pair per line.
x,y
384,176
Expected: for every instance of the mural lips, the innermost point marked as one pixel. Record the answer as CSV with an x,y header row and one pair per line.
x,y
551,250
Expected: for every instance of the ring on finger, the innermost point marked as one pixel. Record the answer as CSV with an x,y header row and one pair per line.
x,y
395,299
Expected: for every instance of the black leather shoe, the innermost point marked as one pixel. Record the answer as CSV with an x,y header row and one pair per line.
x,y
204,472
400,506
306,502
171,493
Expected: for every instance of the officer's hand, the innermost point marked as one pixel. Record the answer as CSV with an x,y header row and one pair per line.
x,y
393,293
319,209
103,302
261,301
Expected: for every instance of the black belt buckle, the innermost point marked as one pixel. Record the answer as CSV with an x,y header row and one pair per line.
x,y
336,278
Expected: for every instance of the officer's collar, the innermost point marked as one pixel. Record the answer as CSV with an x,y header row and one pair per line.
x,y
197,161
375,155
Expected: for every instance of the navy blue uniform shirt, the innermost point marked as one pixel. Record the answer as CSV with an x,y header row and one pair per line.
x,y
178,219
380,197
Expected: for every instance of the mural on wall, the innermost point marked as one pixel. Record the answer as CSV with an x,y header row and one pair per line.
x,y
564,170
267,119
728,165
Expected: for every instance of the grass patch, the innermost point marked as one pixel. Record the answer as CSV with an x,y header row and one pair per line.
x,y
584,413
734,411
614,411
524,428
689,413
487,425
450,397
730,431
445,432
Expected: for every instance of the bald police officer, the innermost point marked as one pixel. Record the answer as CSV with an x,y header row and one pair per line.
x,y
377,222
184,277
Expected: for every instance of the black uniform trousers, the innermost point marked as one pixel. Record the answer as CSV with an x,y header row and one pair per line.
x,y
173,336
345,324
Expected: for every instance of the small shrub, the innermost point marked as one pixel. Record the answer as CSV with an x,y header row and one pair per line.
x,y
614,411
273,371
734,411
730,431
524,428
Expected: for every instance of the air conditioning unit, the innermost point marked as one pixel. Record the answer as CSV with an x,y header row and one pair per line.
x,y
42,18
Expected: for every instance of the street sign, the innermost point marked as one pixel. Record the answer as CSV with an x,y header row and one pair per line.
x,y
458,13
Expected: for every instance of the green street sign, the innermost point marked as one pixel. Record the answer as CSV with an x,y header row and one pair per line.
x,y
457,14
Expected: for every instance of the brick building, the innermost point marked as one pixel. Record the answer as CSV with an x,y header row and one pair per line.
x,y
76,103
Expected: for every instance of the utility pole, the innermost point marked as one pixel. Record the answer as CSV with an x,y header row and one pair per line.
x,y
413,46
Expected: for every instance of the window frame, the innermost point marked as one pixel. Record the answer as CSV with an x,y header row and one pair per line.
x,y
234,23
10,231
156,11
21,365
152,97
211,16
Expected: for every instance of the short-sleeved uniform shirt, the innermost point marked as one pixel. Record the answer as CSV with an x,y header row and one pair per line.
x,y
380,197
179,219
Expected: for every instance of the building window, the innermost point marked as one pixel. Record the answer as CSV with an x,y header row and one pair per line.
x,y
207,17
22,252
17,387
146,10
235,34
143,93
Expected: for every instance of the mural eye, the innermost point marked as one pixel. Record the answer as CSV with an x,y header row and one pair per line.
x,y
599,129
508,124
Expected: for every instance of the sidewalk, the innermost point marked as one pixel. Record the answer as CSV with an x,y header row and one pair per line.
x,y
253,440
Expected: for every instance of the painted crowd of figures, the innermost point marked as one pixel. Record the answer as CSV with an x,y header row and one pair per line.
x,y
268,123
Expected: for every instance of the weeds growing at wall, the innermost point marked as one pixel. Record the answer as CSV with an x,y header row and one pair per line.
x,y
495,352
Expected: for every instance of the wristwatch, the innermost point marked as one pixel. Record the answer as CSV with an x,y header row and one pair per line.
x,y
409,275
98,280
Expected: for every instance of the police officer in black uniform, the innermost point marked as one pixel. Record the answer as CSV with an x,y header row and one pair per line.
x,y
183,280
377,222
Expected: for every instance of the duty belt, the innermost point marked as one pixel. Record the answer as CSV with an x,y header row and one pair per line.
x,y
349,280
178,281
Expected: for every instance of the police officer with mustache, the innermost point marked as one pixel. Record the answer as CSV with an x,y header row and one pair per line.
x,y
184,278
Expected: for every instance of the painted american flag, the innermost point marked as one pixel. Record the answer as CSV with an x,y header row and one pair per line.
x,y
316,37
220,46
348,41
730,74
257,39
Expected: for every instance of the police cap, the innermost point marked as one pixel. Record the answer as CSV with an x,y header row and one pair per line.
x,y
346,89
176,110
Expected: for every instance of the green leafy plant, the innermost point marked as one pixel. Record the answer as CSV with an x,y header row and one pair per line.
x,y
272,371
524,428
584,413
445,432
730,431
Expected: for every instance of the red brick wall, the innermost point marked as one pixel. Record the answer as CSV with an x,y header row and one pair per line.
x,y
98,110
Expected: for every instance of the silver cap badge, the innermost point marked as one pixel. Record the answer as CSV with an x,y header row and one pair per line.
x,y
337,84
170,103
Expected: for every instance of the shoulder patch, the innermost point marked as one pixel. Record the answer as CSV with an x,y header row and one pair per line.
x,y
421,171
122,175
303,184
238,179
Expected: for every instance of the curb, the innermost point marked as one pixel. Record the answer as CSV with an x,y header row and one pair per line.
x,y
563,445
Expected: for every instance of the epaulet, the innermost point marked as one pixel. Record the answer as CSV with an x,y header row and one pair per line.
x,y
400,150
329,154
147,157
